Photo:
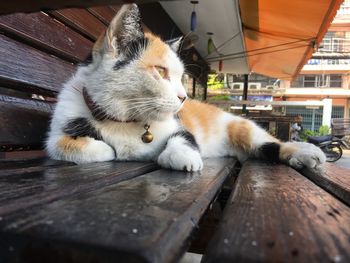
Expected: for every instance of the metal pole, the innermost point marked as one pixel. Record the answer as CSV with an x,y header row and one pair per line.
x,y
245,94
193,88
313,120
205,91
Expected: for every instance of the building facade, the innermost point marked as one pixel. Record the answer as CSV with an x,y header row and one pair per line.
x,y
325,76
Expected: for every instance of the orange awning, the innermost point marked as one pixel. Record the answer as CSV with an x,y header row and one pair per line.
x,y
280,35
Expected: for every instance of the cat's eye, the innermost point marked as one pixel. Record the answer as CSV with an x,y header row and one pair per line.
x,y
163,72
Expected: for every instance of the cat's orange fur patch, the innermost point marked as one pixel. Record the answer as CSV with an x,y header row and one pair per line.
x,y
69,145
240,134
155,53
286,151
195,113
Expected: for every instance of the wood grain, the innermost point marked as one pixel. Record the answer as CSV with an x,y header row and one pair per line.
x,y
334,179
27,66
32,6
104,13
46,33
23,188
145,219
81,20
277,215
24,123
16,165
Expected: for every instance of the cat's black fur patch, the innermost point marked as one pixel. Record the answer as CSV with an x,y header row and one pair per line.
x,y
190,140
270,152
131,52
81,127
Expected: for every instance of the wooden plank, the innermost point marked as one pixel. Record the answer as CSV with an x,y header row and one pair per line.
x,y
20,155
146,219
23,188
334,179
24,123
32,6
81,20
27,66
277,215
43,31
104,13
16,165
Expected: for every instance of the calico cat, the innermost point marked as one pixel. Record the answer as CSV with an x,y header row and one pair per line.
x,y
129,104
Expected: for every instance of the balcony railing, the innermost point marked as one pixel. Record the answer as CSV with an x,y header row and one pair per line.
x,y
328,62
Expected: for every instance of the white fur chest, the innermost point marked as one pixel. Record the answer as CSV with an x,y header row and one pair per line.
x,y
126,140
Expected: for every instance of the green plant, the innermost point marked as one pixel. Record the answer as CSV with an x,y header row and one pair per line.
x,y
324,130
214,82
306,134
220,97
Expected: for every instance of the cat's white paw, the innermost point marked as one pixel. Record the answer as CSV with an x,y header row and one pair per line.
x,y
182,158
306,155
98,151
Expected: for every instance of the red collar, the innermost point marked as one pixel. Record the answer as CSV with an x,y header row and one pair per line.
x,y
97,112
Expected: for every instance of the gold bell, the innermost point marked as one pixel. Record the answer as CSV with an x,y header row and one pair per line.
x,y
147,137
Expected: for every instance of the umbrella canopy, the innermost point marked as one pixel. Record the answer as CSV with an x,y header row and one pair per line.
x,y
270,37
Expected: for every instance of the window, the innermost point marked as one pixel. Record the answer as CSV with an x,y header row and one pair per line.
x,y
335,81
318,81
309,81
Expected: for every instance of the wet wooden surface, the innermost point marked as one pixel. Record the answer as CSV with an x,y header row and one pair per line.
x,y
32,6
104,13
20,63
147,218
44,32
334,179
24,187
81,20
24,123
277,215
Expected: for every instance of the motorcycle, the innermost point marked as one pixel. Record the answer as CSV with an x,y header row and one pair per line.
x,y
330,145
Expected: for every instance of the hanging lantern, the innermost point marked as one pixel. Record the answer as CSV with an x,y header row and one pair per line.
x,y
221,64
194,16
211,46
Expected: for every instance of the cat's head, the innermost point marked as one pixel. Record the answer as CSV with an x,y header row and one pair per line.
x,y
135,75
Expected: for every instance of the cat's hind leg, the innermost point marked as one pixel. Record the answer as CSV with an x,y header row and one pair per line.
x,y
79,149
249,138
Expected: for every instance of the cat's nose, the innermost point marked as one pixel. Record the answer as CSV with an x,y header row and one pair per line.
x,y
182,99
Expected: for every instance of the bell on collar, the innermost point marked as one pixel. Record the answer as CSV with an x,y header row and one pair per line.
x,y
147,137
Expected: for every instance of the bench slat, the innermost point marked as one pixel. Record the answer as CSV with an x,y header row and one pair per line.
x,y
335,179
46,32
277,215
145,219
24,65
104,13
24,123
23,188
15,165
81,20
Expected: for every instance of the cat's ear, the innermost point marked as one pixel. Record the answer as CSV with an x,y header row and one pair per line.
x,y
124,28
175,43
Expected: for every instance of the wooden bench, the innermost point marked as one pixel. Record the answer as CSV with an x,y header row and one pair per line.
x,y
53,211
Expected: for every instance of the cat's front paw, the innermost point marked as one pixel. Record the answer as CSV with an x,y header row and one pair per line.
x,y
184,158
305,155
97,151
